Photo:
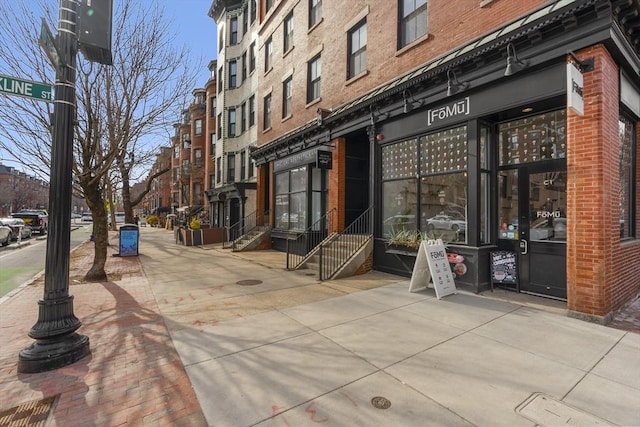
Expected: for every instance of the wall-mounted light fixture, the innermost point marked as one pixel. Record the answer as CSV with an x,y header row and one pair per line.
x,y
513,63
584,65
453,85
409,102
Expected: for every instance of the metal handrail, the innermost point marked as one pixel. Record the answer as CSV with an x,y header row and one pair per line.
x,y
239,229
299,248
335,252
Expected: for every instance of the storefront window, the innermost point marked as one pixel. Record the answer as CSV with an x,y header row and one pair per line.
x,y
626,171
291,199
437,202
533,139
508,221
443,206
399,206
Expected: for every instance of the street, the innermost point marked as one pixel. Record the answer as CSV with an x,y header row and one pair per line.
x,y
21,264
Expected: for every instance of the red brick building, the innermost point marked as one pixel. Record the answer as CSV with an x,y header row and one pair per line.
x,y
507,129
20,190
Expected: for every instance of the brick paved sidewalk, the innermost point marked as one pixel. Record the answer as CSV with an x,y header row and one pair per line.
x,y
133,376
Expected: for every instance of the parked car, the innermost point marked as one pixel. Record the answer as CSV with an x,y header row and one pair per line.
x,y
445,222
18,228
119,217
37,219
5,234
86,217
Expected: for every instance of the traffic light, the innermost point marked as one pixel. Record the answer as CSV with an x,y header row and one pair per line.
x,y
94,30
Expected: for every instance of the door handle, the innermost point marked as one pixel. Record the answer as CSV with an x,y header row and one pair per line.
x,y
524,246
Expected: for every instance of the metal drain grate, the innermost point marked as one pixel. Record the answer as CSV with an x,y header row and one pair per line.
x,y
381,402
250,282
29,414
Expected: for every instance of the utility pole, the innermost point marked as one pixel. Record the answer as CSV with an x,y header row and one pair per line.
x,y
56,342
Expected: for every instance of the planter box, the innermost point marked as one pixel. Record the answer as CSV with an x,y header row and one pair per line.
x,y
203,236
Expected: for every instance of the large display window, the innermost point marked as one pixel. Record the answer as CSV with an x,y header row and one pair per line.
x,y
436,203
291,199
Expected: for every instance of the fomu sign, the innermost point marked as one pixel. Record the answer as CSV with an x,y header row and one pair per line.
x,y
575,89
450,111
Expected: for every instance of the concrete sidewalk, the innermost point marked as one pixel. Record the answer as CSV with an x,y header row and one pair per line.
x,y
258,345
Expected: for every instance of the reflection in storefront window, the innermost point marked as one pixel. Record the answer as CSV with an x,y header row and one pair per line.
x,y
533,139
508,205
291,199
399,206
437,202
548,206
443,206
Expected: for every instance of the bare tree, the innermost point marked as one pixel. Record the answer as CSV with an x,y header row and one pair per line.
x,y
125,108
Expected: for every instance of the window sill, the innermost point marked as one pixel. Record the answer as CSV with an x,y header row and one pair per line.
x,y
266,130
284,55
357,77
314,102
268,71
413,44
315,26
284,119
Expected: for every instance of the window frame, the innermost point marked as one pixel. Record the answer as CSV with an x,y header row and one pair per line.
x,y
405,19
266,110
358,56
628,170
233,74
268,54
197,127
314,78
231,167
315,12
231,125
287,36
287,97
233,30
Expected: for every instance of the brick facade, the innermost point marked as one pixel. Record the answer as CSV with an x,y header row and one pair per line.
x,y
600,278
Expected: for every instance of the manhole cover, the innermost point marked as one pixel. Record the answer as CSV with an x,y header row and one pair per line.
x,y
249,282
32,414
381,402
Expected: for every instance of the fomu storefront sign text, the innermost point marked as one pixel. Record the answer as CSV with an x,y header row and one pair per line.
x,y
450,111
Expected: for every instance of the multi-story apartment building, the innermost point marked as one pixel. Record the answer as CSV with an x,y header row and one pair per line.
x,y
505,128
189,159
20,190
158,199
232,196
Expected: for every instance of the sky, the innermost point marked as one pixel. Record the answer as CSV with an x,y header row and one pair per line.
x,y
195,29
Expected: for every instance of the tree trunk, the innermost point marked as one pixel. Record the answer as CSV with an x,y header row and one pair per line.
x,y
94,200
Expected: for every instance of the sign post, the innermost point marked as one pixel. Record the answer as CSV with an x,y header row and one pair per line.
x,y
25,88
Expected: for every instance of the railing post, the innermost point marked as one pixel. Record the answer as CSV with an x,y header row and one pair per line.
x,y
288,254
320,263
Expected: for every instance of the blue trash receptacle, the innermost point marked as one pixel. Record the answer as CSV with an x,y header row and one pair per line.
x,y
129,240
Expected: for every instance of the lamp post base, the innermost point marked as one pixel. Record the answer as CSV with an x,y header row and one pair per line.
x,y
49,354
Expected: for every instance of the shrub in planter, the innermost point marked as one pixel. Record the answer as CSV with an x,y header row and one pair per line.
x,y
153,220
194,224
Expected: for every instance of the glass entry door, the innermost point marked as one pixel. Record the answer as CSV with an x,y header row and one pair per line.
x,y
532,215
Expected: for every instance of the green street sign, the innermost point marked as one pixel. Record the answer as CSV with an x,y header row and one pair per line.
x,y
49,45
26,88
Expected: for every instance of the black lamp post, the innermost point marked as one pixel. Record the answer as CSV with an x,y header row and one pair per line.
x,y
56,342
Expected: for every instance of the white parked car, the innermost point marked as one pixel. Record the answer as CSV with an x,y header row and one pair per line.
x,y
445,222
86,217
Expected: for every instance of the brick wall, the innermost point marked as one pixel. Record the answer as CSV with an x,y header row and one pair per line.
x,y
337,184
599,277
448,28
